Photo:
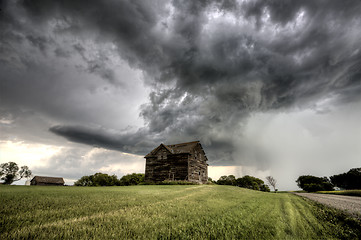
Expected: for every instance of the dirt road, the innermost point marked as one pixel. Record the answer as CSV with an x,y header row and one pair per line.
x,y
347,203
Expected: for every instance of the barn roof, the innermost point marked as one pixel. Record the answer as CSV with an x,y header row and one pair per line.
x,y
177,148
54,180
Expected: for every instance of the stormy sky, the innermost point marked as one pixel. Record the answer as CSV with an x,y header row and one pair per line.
x,y
268,87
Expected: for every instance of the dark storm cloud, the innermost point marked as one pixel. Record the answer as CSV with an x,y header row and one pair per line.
x,y
125,142
98,65
43,70
229,72
212,63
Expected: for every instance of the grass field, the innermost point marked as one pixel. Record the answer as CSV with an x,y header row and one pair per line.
x,y
356,193
165,212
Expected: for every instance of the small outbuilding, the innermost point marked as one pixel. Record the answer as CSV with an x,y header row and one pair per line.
x,y
47,181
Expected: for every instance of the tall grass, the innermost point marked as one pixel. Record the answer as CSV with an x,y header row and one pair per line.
x,y
356,193
164,212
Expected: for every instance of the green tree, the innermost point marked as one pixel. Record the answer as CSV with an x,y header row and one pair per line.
x,y
98,179
102,179
84,181
227,180
264,188
349,180
132,179
245,182
249,182
9,172
222,180
311,183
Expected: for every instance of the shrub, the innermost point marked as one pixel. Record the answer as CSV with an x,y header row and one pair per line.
x,y
264,188
166,182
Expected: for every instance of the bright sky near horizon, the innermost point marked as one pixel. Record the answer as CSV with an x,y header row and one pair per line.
x,y
268,87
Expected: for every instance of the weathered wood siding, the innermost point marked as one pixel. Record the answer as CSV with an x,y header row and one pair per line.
x,y
198,166
45,184
165,166
162,164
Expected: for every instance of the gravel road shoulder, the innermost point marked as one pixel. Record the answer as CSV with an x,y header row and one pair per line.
x,y
349,204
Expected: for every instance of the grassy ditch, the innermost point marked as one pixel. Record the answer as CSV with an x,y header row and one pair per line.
x,y
356,193
165,212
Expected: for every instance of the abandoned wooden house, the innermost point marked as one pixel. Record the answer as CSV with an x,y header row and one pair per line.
x,y
47,181
183,161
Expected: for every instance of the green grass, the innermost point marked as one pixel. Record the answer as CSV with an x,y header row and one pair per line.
x,y
165,212
356,193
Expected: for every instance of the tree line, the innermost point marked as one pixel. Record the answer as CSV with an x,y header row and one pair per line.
x,y
348,180
247,181
10,172
103,179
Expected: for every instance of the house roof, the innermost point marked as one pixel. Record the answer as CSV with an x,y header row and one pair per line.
x,y
54,180
183,147
177,148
